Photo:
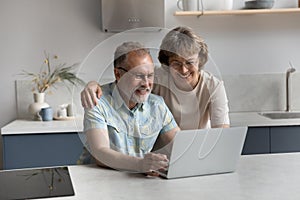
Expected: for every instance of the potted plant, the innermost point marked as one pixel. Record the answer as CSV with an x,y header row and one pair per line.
x,y
49,76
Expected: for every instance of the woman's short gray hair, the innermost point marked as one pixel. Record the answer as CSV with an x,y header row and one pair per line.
x,y
124,49
183,42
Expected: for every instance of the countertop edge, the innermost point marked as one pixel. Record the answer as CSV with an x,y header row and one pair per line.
x,y
254,119
21,126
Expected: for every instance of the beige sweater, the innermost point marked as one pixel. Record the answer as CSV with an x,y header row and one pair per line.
x,y
203,107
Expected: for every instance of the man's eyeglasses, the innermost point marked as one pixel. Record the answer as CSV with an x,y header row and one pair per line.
x,y
188,64
137,76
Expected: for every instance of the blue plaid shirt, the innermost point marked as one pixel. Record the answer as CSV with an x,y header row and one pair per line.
x,y
132,132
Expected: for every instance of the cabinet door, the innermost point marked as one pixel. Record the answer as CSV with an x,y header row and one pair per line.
x,y
257,141
285,139
41,150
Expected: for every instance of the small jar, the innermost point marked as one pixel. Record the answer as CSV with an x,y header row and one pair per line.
x,y
62,111
70,111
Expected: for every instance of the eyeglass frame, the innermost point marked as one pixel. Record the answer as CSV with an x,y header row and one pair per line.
x,y
187,64
137,76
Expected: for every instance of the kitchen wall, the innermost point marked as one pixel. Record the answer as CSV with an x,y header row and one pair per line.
x,y
68,28
247,44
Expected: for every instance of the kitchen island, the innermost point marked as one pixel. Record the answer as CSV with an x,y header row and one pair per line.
x,y
265,177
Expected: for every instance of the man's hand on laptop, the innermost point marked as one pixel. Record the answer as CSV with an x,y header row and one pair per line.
x,y
152,163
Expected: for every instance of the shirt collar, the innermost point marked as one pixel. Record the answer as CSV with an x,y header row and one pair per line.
x,y
119,100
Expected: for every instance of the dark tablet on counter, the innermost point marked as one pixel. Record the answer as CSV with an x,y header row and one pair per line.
x,y
35,183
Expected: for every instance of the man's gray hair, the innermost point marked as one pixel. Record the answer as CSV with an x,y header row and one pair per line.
x,y
124,49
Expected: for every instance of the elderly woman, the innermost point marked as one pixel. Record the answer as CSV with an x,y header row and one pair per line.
x,y
195,97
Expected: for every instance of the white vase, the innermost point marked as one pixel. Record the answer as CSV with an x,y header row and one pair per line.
x,y
216,4
227,5
37,105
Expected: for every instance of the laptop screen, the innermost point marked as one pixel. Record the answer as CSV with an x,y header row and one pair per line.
x,y
35,183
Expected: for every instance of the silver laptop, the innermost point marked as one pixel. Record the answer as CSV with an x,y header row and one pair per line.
x,y
205,151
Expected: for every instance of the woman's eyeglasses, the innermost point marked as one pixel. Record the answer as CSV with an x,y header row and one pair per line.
x,y
138,76
177,65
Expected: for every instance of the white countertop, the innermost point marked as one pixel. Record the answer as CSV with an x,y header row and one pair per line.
x,y
259,177
251,119
21,126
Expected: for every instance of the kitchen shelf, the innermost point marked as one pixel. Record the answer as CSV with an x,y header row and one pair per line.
x,y
237,12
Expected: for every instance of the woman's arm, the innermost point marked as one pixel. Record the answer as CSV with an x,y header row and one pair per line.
x,y
219,110
90,94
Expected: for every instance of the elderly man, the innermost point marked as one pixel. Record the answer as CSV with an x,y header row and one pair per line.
x,y
128,120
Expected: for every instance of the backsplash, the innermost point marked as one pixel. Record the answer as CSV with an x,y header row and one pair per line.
x,y
261,92
246,93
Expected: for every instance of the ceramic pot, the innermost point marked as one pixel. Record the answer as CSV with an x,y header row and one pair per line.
x,y
37,105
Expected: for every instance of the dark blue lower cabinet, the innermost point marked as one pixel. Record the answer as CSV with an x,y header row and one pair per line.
x,y
275,139
285,139
41,150
56,149
257,141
